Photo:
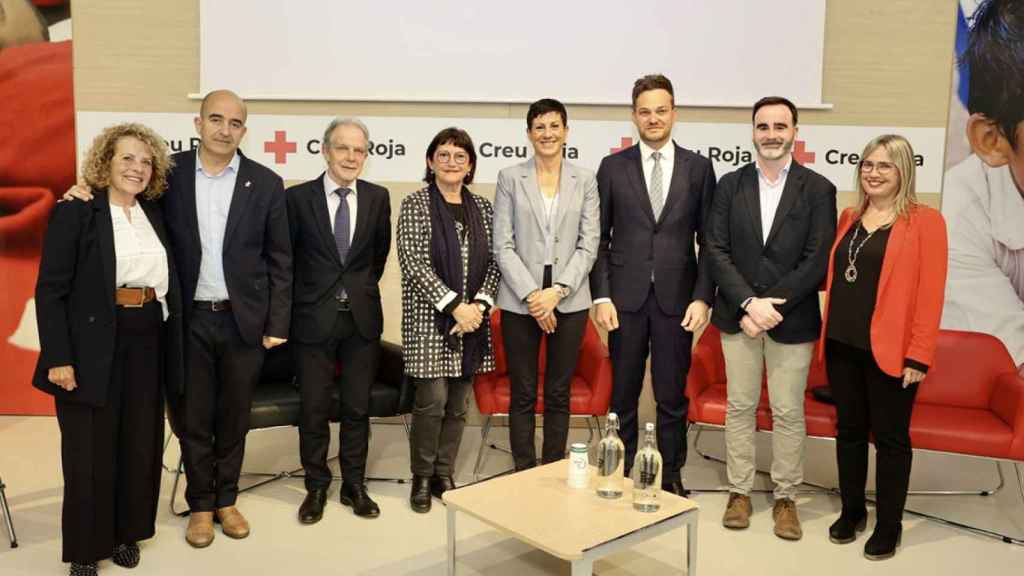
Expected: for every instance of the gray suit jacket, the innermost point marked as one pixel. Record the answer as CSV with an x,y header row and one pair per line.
x,y
519,235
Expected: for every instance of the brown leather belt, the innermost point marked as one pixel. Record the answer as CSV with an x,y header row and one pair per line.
x,y
134,297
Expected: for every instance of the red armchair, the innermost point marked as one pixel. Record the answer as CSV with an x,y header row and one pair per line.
x,y
971,402
589,393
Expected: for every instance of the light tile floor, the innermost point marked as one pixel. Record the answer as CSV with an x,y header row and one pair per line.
x,y
402,542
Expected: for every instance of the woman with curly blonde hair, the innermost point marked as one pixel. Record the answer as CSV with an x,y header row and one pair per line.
x,y
109,316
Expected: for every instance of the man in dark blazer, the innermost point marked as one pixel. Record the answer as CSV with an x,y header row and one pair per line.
x,y
342,228
228,225
772,225
650,290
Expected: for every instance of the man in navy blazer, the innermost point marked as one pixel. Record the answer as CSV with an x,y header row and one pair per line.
x,y
342,227
650,289
228,226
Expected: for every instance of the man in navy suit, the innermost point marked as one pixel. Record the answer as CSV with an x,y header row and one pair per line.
x,y
650,290
228,224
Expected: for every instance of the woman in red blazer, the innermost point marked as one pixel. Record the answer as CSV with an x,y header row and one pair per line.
x,y
884,293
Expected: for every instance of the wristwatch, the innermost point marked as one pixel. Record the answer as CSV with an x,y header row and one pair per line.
x,y
563,290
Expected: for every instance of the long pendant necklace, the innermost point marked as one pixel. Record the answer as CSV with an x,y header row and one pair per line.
x,y
851,270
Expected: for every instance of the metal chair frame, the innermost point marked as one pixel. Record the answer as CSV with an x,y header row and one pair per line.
x,y
818,489
11,536
268,477
592,424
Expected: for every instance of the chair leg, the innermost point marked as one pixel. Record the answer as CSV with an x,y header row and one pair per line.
x,y
174,488
696,446
1020,479
167,442
395,480
483,446
593,428
975,492
7,515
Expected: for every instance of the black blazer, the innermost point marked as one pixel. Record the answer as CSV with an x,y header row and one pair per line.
x,y
75,305
633,244
257,253
318,269
793,262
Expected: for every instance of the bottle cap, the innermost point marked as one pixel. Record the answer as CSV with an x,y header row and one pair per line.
x,y
578,447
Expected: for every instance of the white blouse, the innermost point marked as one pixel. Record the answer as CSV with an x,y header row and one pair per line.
x,y
550,208
141,258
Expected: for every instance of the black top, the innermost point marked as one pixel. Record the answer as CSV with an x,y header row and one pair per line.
x,y
851,304
457,211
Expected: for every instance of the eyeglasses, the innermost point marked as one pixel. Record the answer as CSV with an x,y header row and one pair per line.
x,y
867,166
443,157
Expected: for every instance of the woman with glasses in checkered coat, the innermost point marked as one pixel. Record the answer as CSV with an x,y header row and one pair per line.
x,y
449,282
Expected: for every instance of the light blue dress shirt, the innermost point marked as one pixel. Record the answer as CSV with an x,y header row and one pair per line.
x,y
213,201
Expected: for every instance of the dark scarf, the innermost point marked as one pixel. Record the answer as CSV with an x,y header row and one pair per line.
x,y
446,256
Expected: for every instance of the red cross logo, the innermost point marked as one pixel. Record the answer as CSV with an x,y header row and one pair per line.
x,y
280,147
623,144
802,155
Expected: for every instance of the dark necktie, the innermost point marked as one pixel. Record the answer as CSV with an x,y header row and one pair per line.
x,y
341,231
341,224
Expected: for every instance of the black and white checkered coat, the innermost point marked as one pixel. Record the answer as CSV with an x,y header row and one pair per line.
x,y
423,293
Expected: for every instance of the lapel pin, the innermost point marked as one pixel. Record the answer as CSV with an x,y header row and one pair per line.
x,y
247,183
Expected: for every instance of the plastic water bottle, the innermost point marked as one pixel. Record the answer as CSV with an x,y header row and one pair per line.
x,y
610,455
647,473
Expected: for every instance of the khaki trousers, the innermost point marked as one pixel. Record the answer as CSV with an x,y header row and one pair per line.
x,y
745,361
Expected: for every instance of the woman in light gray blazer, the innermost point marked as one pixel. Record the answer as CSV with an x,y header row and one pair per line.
x,y
546,229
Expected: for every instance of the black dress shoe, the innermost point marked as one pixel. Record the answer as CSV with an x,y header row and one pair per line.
x,y
676,487
441,484
312,509
419,497
883,542
845,529
355,495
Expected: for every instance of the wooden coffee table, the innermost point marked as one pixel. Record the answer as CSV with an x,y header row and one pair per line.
x,y
537,507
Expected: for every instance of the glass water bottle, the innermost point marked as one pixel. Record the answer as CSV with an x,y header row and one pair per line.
x,y
610,456
647,473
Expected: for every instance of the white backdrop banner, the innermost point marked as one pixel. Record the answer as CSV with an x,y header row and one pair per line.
x,y
718,53
291,144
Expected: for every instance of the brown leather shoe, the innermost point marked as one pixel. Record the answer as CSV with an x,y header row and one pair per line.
x,y
199,533
787,523
737,512
232,523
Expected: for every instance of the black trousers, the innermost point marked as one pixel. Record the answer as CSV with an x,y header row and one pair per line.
x,y
111,454
315,368
522,338
649,329
869,401
223,370
438,419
